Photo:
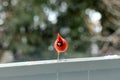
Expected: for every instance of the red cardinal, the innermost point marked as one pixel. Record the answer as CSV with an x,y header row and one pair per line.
x,y
60,45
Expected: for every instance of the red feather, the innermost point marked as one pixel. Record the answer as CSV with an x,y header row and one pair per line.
x,y
60,44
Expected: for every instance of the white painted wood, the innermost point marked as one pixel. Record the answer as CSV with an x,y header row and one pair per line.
x,y
105,74
97,68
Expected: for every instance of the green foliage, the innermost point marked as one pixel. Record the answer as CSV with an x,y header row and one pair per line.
x,y
28,29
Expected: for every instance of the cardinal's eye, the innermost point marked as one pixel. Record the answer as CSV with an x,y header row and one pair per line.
x,y
59,44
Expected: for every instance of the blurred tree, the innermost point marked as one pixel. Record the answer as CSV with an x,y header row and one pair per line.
x,y
29,28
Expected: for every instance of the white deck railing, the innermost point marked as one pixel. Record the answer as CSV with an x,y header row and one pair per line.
x,y
97,68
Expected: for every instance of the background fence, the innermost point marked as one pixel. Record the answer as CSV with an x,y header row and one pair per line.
x,y
97,68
